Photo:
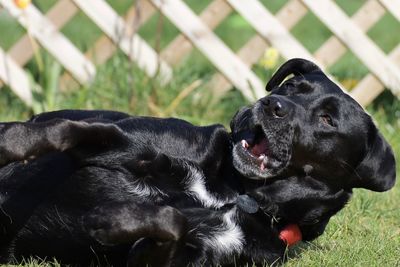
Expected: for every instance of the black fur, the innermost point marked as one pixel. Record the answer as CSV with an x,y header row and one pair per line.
x,y
105,187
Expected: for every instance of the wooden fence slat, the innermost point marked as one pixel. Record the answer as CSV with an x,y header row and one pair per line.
x,y
370,86
23,50
290,14
62,12
368,15
258,16
212,16
54,42
212,47
251,52
15,77
269,28
330,51
367,90
104,48
337,21
133,46
221,85
393,6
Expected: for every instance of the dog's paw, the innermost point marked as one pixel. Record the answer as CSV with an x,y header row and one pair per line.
x,y
265,203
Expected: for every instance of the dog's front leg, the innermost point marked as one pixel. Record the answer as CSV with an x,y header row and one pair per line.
x,y
25,140
126,222
153,231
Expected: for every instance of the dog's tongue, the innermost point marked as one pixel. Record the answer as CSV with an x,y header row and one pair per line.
x,y
259,148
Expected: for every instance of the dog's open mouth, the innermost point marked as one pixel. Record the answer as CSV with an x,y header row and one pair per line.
x,y
256,145
256,154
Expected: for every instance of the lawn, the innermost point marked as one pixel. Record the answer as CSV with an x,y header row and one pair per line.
x,y
365,233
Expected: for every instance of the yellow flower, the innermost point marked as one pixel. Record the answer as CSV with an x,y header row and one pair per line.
x,y
349,83
22,4
270,58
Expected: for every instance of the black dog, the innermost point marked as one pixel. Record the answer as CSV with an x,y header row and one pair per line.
x,y
100,186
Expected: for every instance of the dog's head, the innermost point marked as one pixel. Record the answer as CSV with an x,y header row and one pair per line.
x,y
308,125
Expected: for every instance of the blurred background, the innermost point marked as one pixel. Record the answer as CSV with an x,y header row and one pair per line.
x,y
201,61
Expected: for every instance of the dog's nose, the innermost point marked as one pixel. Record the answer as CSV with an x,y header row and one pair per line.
x,y
274,106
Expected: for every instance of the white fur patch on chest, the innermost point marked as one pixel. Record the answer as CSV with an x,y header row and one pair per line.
x,y
142,189
196,187
228,238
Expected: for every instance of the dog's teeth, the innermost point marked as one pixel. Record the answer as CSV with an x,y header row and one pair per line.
x,y
263,162
262,156
245,144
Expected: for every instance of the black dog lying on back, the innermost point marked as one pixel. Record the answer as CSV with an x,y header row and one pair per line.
x,y
104,187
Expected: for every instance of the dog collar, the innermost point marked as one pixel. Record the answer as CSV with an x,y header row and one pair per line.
x,y
247,204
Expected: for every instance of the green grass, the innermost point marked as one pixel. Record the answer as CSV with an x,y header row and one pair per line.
x,y
365,233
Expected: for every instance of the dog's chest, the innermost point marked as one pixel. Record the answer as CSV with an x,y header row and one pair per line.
x,y
192,185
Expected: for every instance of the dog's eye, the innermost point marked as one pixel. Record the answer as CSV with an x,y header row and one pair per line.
x,y
326,119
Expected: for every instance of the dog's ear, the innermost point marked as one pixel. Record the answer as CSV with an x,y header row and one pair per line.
x,y
377,171
295,66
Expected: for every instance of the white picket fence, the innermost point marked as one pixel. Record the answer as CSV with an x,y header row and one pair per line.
x,y
234,70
